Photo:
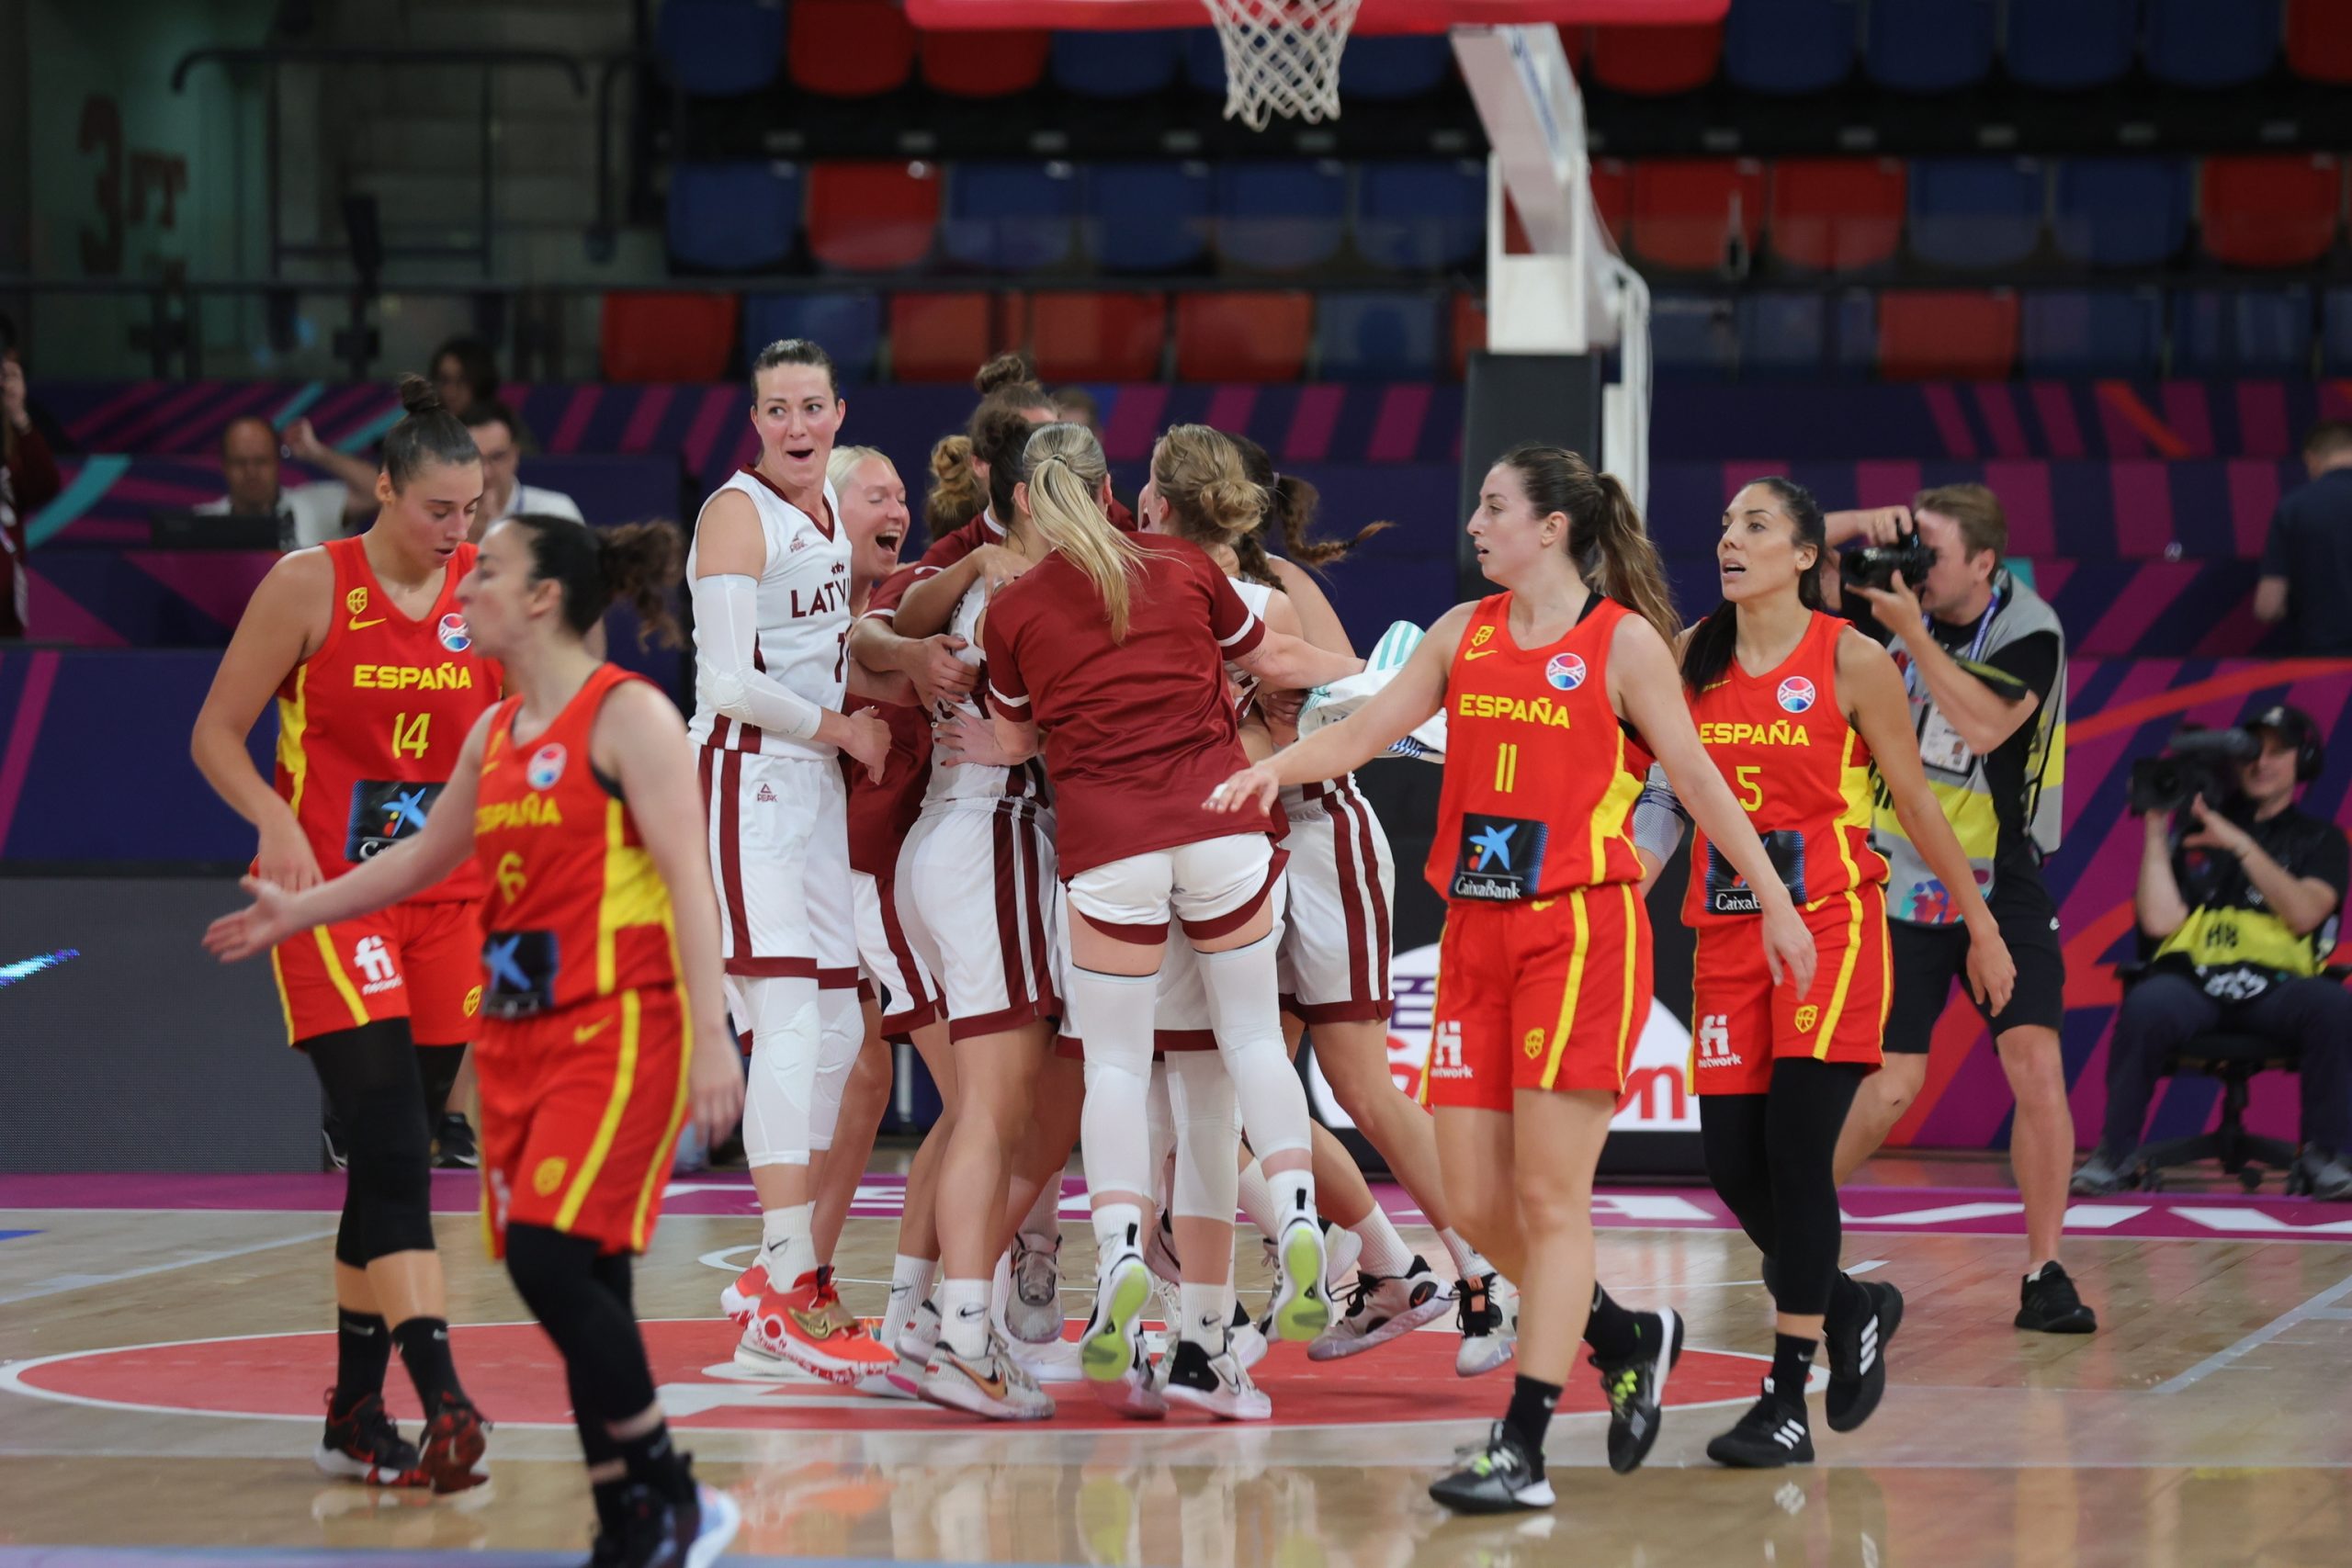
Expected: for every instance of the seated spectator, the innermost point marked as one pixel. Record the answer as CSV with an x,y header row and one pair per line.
x,y
464,373
1077,405
502,496
28,479
2242,912
2307,561
307,514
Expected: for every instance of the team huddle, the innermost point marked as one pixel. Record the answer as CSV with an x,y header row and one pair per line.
x,y
1040,802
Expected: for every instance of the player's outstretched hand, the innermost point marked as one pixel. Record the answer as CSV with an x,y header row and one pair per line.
x,y
1788,948
714,1081
256,928
1256,784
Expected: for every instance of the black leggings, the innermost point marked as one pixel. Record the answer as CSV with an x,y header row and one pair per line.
x,y
586,1303
1772,1158
375,1084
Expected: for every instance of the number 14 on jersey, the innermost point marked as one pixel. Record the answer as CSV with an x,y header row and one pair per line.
x,y
409,734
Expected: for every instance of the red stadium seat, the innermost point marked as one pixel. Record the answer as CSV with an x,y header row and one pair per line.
x,y
1967,335
1098,337
1684,209
668,337
848,48
2270,211
984,64
1837,214
1469,330
1655,61
944,337
872,217
1243,337
2318,40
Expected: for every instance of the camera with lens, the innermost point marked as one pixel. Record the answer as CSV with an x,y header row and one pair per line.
x,y
1877,566
2195,764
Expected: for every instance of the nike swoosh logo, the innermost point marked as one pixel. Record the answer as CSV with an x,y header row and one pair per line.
x,y
587,1031
993,1387
1476,652
357,625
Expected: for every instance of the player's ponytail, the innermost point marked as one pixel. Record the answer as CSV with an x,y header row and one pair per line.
x,y
427,433
1065,471
1715,640
1291,506
957,494
598,567
1612,550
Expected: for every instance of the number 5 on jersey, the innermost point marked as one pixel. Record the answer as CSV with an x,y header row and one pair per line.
x,y
1751,786
409,733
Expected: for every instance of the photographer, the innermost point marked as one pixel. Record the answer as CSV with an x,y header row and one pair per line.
x,y
1984,661
2242,912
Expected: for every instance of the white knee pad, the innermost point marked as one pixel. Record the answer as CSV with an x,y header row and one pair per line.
x,y
1248,1016
1113,1014
1200,1096
782,1013
841,1034
1163,1135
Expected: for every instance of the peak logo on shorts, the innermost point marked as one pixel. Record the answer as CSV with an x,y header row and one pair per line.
x,y
1797,695
453,633
1566,671
547,765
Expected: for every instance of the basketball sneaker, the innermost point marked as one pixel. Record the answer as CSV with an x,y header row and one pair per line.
x,y
1857,1357
1159,1251
1772,1433
1302,1307
1218,1384
916,1343
1496,1477
741,1297
1108,1346
2047,1301
659,1533
991,1385
453,1145
362,1444
455,1441
1245,1339
1136,1392
2105,1174
1637,1389
808,1327
1035,1311
1380,1308
1487,1310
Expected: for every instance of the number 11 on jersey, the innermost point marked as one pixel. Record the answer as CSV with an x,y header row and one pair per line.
x,y
409,733
1506,768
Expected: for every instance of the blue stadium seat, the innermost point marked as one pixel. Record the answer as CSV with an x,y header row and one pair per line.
x,y
1011,216
2335,334
736,217
2064,44
1975,213
1808,335
1117,64
1377,337
1413,216
849,325
715,49
2078,332
1280,216
1693,335
1790,46
1403,66
1145,217
2242,332
2122,211
2199,43
1930,46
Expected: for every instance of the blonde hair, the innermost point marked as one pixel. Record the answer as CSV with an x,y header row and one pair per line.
x,y
1199,472
844,459
1064,470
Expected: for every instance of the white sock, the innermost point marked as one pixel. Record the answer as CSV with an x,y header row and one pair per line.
x,y
910,1283
786,1245
1384,1252
1467,1261
1045,1216
1118,1227
1207,1316
1257,1200
964,1317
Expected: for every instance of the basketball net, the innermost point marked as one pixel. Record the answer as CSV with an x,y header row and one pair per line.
x,y
1282,57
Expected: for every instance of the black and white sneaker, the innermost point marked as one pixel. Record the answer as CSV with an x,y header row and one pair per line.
x,y
658,1533
1636,1390
2047,1302
1857,1357
453,1145
1498,1477
1772,1433
1382,1307
1487,1310
1218,1384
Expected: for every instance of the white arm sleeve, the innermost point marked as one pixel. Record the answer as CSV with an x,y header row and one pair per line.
x,y
726,624
1658,817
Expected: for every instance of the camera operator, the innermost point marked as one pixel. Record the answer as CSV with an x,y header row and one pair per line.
x,y
2242,910
1984,661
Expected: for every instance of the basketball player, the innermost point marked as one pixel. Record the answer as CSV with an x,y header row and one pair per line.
x,y
377,682
1114,646
575,799
1557,691
770,577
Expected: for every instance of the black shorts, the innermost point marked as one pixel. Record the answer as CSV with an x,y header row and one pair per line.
x,y
1927,959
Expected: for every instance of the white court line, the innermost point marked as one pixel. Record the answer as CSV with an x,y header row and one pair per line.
x,y
2259,1337
66,1282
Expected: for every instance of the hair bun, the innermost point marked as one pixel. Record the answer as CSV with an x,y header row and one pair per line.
x,y
418,396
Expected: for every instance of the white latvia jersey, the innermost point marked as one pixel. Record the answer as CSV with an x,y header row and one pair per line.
x,y
802,607
1258,595
973,784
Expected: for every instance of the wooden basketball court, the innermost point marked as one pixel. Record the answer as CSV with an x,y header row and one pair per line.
x,y
164,1344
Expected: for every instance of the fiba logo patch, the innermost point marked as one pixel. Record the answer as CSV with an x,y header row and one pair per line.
x,y
453,633
546,766
1566,671
1807,1016
1796,693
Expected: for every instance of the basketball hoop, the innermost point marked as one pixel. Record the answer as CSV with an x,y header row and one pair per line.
x,y
1282,57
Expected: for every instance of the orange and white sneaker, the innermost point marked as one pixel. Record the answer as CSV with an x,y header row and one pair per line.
x,y
808,1327
739,1300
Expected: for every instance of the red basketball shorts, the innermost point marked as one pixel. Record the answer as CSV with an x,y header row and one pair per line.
x,y
1745,1023
417,961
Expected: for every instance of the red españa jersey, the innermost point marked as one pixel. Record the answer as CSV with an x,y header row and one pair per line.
x,y
1138,732
1782,741
1540,776
880,814
576,909
370,725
